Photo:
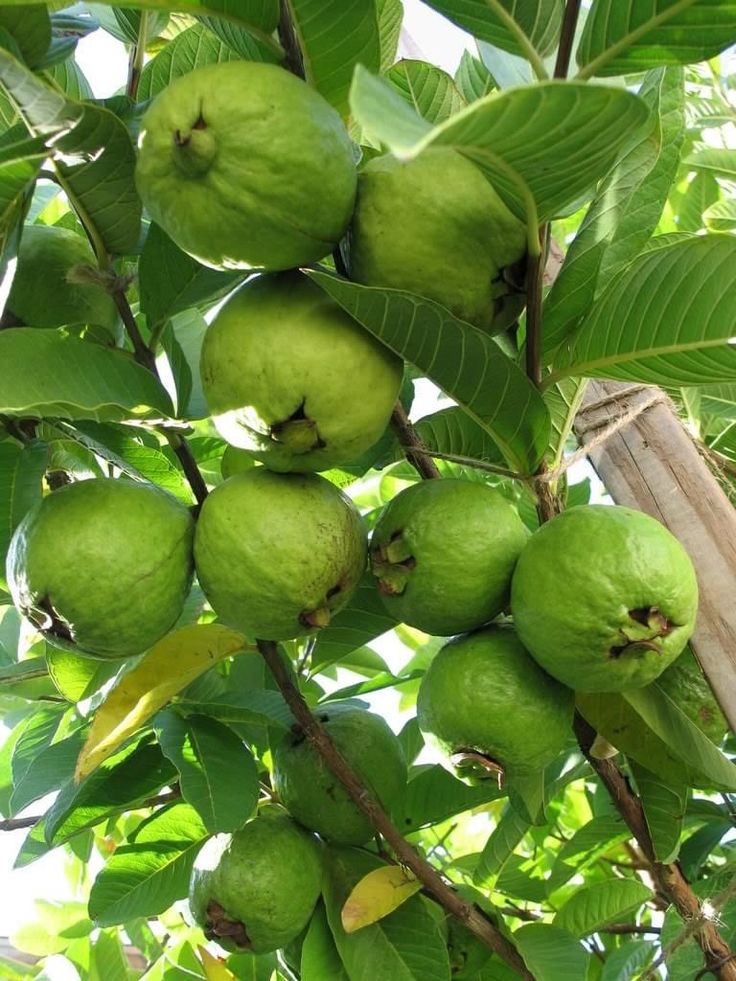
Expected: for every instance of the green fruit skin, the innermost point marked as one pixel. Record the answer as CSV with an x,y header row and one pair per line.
x,y
43,296
262,175
270,547
112,558
465,539
267,876
312,793
281,345
575,583
483,693
434,226
688,687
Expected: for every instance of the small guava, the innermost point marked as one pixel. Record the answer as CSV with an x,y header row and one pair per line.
x,y
44,292
604,598
245,166
490,710
688,687
443,552
311,792
435,226
278,554
290,377
103,566
255,890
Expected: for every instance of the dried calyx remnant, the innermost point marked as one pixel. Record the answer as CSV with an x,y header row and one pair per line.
x,y
47,620
478,765
392,564
647,626
321,615
298,432
219,926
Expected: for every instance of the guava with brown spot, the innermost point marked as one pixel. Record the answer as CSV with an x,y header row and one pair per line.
x,y
489,709
292,379
312,793
254,890
604,598
443,552
277,555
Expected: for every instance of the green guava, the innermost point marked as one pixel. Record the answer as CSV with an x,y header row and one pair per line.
x,y
468,954
688,687
604,598
245,166
289,376
278,554
44,293
311,792
434,226
255,890
103,566
490,710
443,552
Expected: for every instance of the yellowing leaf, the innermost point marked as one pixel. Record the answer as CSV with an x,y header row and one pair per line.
x,y
170,666
214,968
376,895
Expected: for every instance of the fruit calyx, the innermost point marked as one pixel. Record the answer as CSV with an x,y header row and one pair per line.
x,y
646,626
195,148
219,926
299,433
392,564
44,617
478,765
321,615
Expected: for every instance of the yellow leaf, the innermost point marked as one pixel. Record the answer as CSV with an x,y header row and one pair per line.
x,y
376,895
167,668
214,967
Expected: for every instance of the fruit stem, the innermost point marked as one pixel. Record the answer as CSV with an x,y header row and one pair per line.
x,y
473,918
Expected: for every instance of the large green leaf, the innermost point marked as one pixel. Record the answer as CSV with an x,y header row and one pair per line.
x,y
513,25
433,795
56,376
668,319
320,959
501,843
454,432
542,146
464,361
20,163
586,845
623,36
21,471
362,620
390,14
30,29
50,767
193,48
591,907
428,89
664,808
551,953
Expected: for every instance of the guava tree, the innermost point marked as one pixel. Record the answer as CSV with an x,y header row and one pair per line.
x,y
213,517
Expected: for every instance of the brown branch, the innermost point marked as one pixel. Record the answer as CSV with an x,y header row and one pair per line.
x,y
410,443
668,879
623,928
473,918
15,824
567,36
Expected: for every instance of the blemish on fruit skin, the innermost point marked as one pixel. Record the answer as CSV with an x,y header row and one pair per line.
x,y
219,926
649,617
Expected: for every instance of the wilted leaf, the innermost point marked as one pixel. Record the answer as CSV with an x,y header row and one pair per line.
x,y
376,895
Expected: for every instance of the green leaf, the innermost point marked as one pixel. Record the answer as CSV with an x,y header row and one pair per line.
x,y
501,843
624,964
586,845
261,708
464,361
550,953
721,215
716,161
193,48
67,377
30,28
51,767
36,735
664,809
523,139
21,472
362,620
320,959
146,877
19,167
334,35
390,14
431,91
454,432
433,795
623,36
520,26
378,683
624,212
591,907
473,78
667,319
78,677
208,756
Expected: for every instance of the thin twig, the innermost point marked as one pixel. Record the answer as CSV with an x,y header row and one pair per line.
x,y
567,36
137,56
16,824
293,59
411,442
473,918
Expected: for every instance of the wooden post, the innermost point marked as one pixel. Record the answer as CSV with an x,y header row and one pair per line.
x,y
653,464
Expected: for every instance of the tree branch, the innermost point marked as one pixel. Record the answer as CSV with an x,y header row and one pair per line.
x,y
416,452
15,824
473,918
293,59
567,36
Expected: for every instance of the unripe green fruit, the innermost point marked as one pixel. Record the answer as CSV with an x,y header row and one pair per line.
x,y
44,293
311,792
103,566
434,226
278,554
604,598
255,890
245,166
444,552
289,376
490,709
688,687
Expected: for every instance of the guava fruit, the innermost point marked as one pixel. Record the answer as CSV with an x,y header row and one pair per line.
x,y
688,687
278,554
255,890
44,293
245,166
434,226
443,552
289,376
490,710
103,566
604,598
314,796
